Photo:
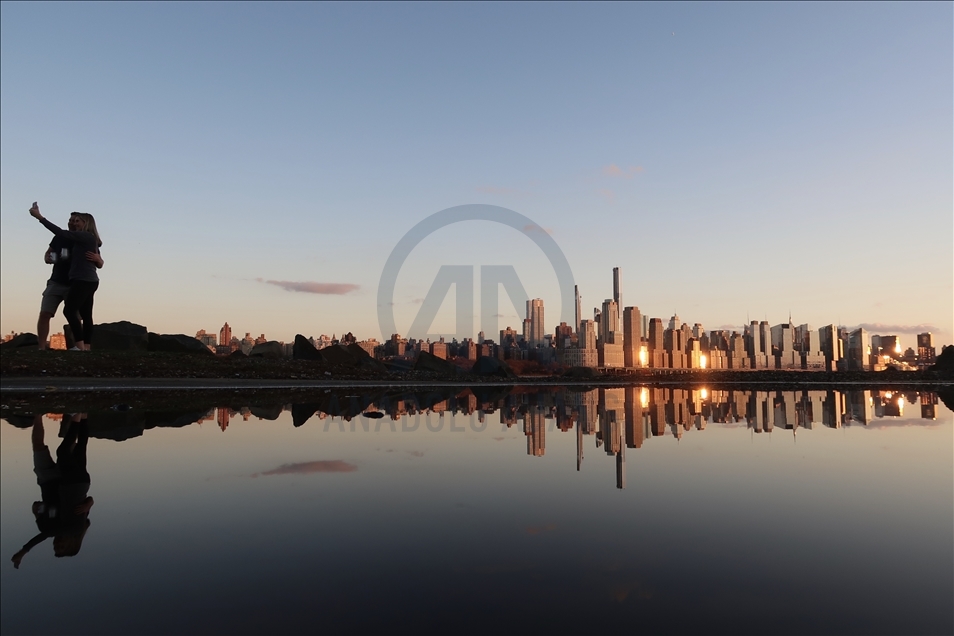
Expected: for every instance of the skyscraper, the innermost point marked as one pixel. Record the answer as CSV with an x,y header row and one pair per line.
x,y
535,316
926,351
617,289
632,336
611,337
576,295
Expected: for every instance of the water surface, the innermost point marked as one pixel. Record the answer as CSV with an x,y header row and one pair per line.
x,y
610,510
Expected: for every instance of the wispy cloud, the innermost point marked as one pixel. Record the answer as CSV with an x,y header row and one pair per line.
x,y
533,227
881,329
629,172
310,287
607,194
308,468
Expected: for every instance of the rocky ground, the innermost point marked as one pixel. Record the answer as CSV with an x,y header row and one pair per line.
x,y
27,363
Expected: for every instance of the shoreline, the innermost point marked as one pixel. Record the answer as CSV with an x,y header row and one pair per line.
x,y
10,385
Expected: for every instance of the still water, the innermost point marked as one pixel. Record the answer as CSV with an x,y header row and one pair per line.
x,y
608,510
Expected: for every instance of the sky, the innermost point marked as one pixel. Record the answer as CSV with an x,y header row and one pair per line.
x,y
257,163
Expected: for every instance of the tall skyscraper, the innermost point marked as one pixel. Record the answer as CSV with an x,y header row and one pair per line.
x,y
611,336
609,320
859,351
587,335
579,316
926,351
535,316
632,336
657,354
617,289
831,346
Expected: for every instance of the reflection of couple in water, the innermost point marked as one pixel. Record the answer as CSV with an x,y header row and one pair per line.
x,y
63,512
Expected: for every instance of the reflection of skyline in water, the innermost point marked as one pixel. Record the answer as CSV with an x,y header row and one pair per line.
x,y
317,522
610,420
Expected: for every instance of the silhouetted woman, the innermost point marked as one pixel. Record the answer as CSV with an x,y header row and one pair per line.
x,y
84,281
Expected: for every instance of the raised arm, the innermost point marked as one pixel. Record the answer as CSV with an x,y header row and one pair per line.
x,y
32,543
35,213
73,236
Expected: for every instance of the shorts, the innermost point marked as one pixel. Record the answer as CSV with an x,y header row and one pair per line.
x,y
53,295
45,468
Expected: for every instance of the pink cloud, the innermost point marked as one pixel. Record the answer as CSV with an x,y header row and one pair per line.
x,y
308,468
607,194
613,170
536,228
309,287
881,329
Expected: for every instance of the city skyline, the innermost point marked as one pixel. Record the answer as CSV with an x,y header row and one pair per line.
x,y
735,161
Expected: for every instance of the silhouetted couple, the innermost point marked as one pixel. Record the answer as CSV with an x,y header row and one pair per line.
x,y
74,280
63,509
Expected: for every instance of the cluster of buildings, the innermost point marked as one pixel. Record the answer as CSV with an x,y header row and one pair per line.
x,y
618,337
226,343
622,337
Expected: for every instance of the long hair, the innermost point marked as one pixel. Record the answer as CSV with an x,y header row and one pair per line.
x,y
91,226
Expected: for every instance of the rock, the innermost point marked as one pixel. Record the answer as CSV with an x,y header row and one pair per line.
x,y
120,336
272,350
338,355
304,350
488,366
429,362
176,343
398,364
581,372
21,340
945,360
364,359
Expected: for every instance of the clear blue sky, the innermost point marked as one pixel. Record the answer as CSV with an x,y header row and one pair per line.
x,y
740,160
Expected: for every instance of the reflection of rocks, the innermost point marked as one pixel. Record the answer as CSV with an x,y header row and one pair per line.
x,y
271,412
947,395
119,425
177,343
20,421
301,413
20,340
120,336
429,362
487,366
272,350
304,350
